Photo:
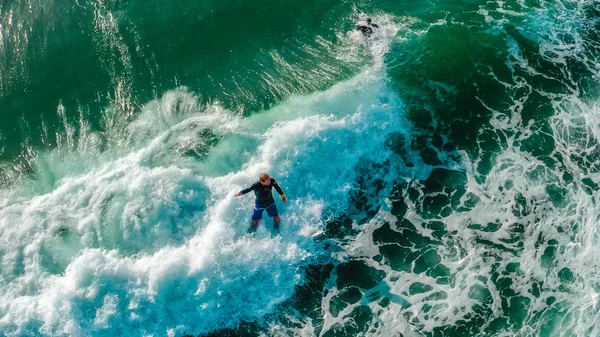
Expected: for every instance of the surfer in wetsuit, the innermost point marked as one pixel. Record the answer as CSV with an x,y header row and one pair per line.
x,y
366,27
264,198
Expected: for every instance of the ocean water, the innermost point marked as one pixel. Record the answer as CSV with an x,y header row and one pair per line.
x,y
442,175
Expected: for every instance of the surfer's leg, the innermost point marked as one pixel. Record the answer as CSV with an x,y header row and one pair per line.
x,y
272,212
257,215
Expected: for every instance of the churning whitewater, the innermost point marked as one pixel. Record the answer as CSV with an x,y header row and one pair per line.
x,y
150,240
441,168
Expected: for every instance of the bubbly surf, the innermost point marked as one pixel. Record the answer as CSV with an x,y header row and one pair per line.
x,y
441,175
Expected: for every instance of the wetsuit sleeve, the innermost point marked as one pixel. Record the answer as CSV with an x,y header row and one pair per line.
x,y
277,188
374,25
251,188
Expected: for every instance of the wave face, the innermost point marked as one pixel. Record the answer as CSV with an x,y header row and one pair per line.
x,y
441,175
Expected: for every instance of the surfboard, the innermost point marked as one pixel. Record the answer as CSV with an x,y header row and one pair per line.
x,y
317,233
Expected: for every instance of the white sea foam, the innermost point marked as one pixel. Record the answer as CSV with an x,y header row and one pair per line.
x,y
148,238
540,264
551,262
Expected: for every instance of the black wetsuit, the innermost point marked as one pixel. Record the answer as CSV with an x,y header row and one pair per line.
x,y
264,196
366,27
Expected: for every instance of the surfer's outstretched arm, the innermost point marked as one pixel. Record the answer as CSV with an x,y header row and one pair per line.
x,y
279,190
242,192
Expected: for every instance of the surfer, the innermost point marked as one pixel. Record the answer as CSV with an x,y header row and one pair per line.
x,y
264,198
366,26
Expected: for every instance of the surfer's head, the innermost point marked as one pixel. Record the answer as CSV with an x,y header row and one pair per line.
x,y
264,179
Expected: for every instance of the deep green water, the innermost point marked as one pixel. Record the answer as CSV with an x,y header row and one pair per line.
x,y
460,198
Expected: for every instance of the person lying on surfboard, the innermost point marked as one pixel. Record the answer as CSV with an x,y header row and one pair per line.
x,y
366,26
264,199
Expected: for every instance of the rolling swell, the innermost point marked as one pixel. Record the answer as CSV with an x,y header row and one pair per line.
x,y
130,52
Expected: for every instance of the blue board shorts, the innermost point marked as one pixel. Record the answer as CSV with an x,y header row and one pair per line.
x,y
258,210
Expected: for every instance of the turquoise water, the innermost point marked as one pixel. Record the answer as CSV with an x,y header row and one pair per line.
x,y
451,162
